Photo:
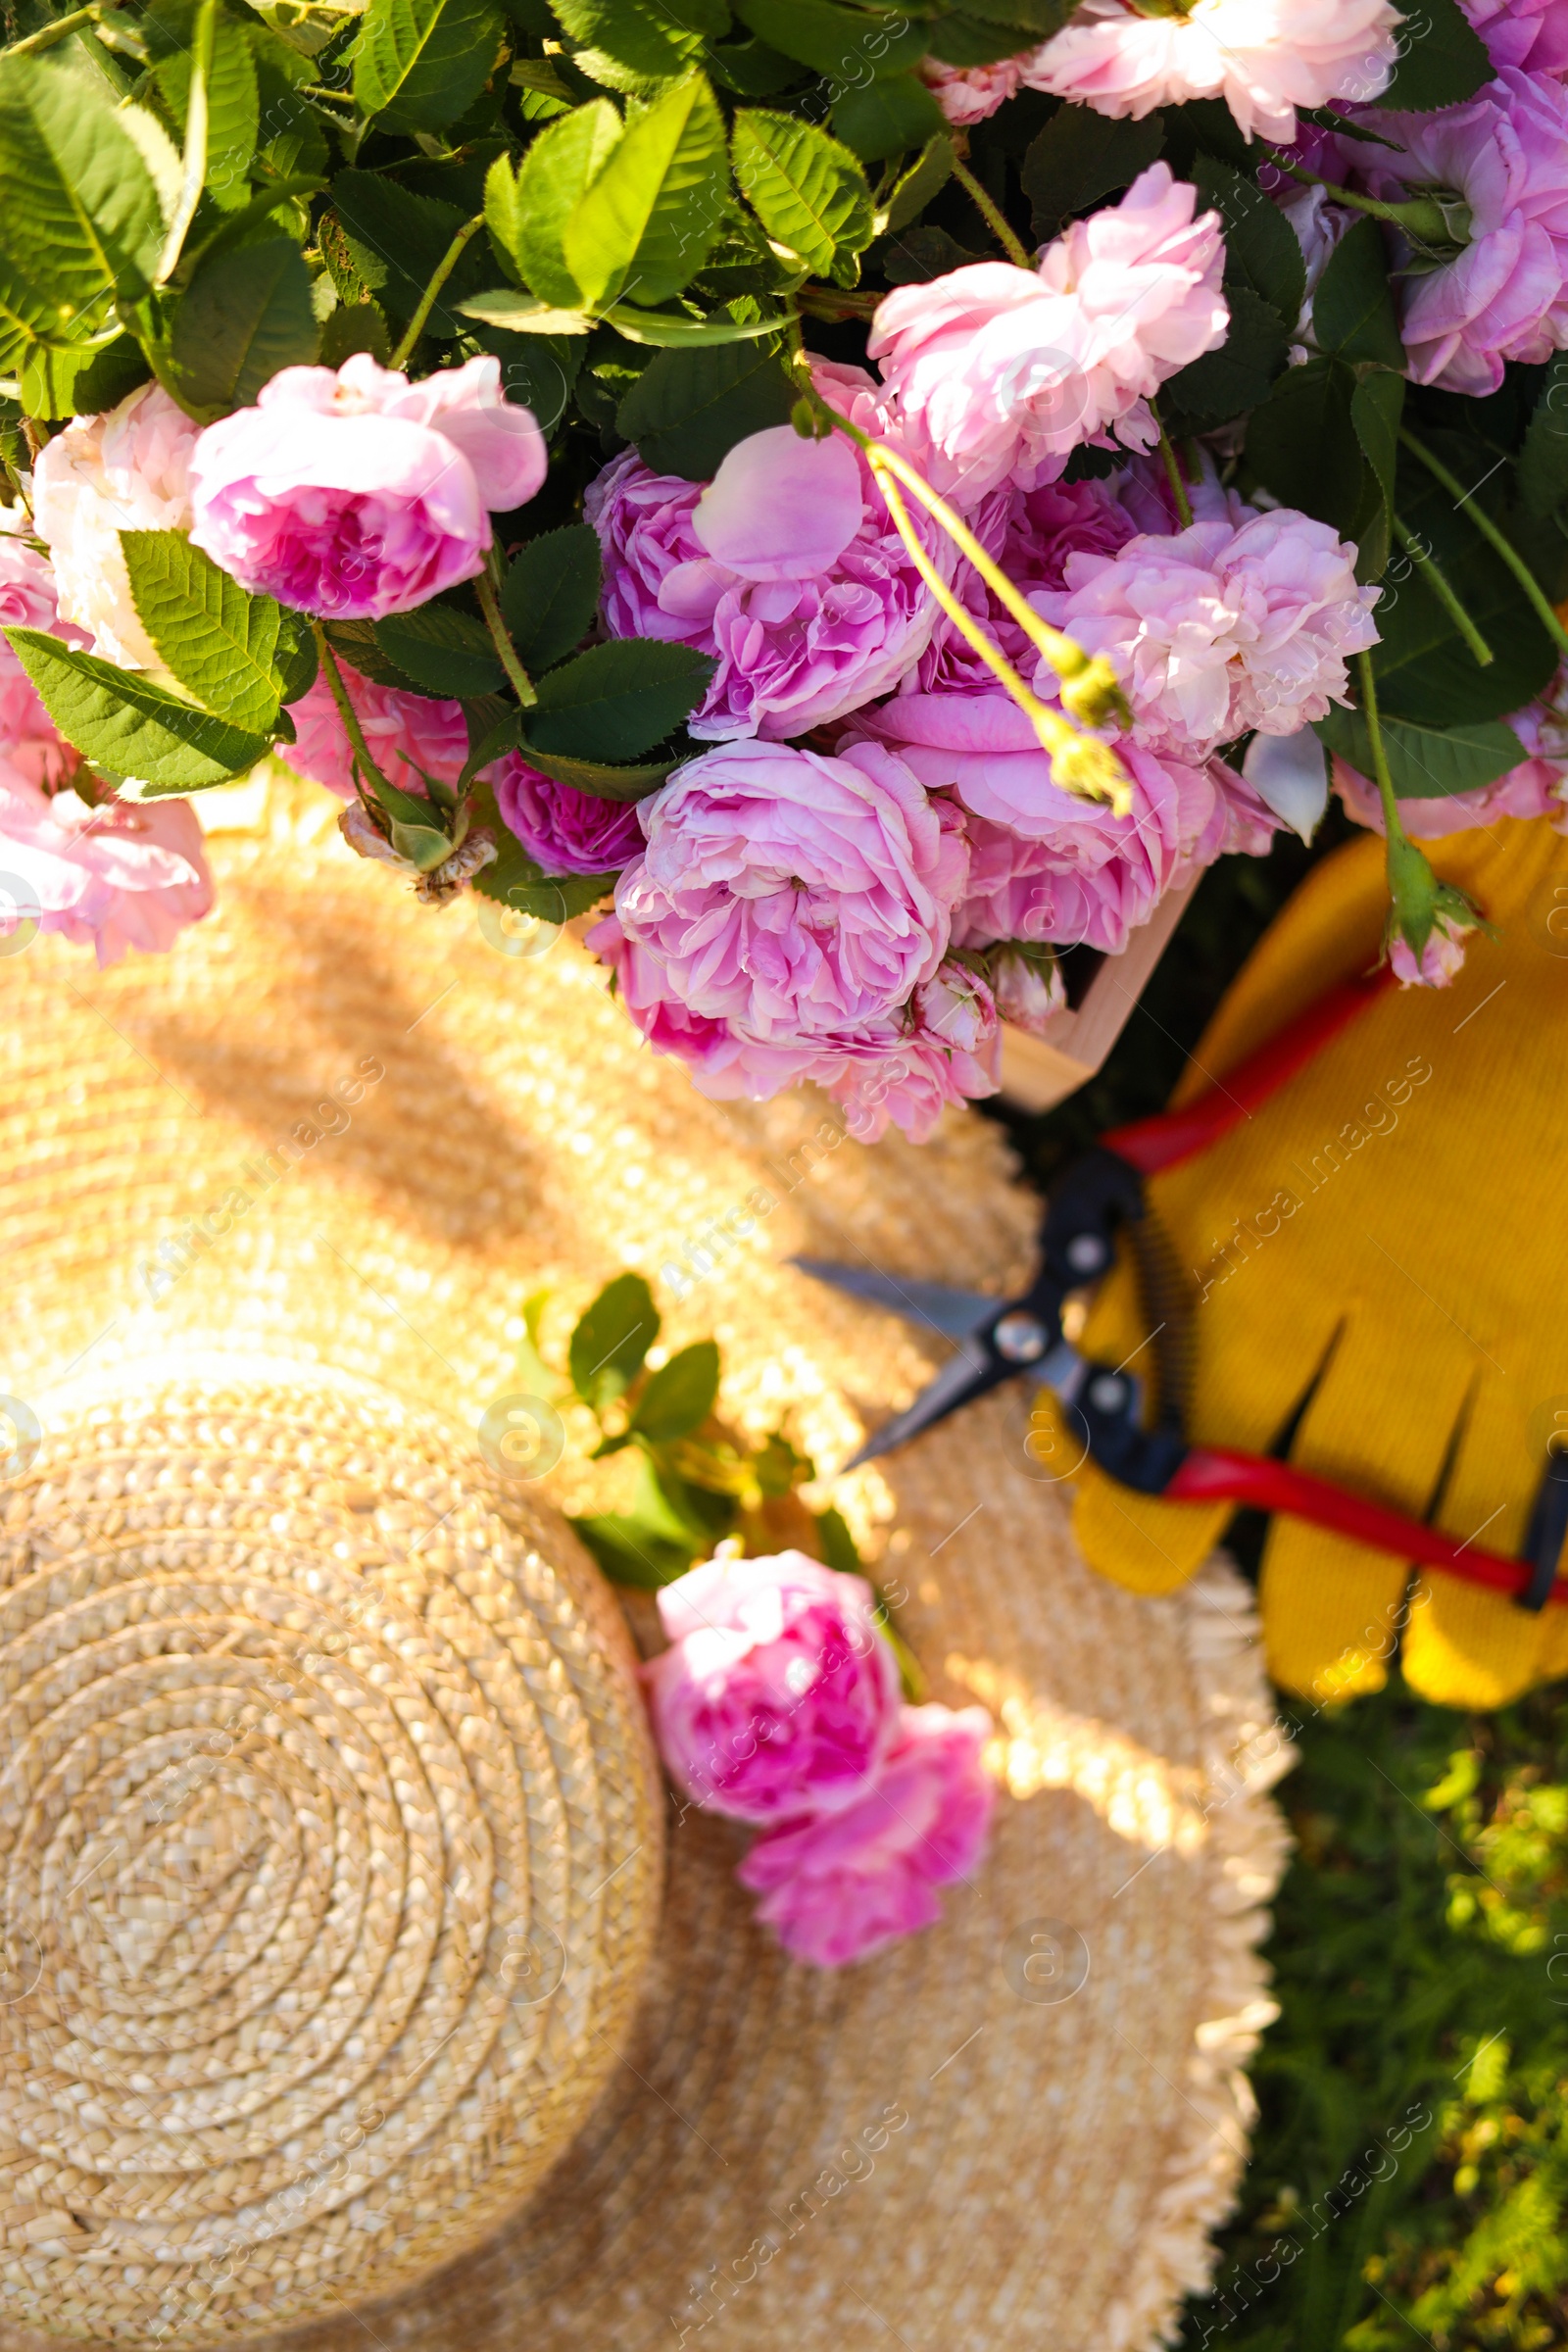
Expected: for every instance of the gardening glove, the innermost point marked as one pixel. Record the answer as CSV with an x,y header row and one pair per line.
x,y
1378,1268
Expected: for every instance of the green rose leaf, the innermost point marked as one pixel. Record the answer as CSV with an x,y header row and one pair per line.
x,y
848,44
914,188
530,220
1543,458
1427,764
889,118
612,1338
688,409
1442,61
232,110
1079,157
617,699
606,782
551,595
633,44
245,315
395,240
679,1396
80,220
444,651
421,63
648,220
121,721
1353,308
1260,248
1227,383
237,653
80,380
808,192
1302,444
631,1553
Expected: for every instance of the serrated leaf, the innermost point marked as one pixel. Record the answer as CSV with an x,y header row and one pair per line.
x,y
1262,252
395,241
444,651
79,216
1542,478
916,188
421,63
1037,16
808,190
122,722
612,1338
1302,444
752,69
78,380
688,409
604,780
355,642
1227,383
845,43
245,315
232,110
1081,156
631,44
617,699
562,162
220,643
1442,61
354,327
1376,407
679,1396
1426,762
522,315
890,116
1353,306
551,595
669,330
648,220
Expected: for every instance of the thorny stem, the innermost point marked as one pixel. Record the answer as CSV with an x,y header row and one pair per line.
x,y
992,215
1489,532
194,174
500,637
1420,216
47,34
1173,474
426,302
1437,579
345,708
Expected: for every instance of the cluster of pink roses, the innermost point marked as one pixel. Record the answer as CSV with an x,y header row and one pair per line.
x,y
778,1704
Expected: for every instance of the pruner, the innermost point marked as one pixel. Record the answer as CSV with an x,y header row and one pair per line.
x,y
1101,1196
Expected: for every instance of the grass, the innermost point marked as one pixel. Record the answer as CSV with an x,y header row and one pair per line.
x,y
1409,2172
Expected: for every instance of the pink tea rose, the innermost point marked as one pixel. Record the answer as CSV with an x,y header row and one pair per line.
x,y
1265,58
840,1887
724,1062
970,94
355,493
1439,961
1219,629
1505,296
1535,788
1532,34
778,1694
948,1049
787,568
126,471
562,829
1030,991
28,599
996,372
125,874
791,894
405,733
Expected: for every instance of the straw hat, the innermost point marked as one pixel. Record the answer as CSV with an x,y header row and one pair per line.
x,y
269,1208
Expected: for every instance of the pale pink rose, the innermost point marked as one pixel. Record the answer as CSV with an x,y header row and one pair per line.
x,y
969,94
28,738
1440,959
778,1695
405,733
1265,58
123,875
126,471
564,830
723,1061
1535,788
787,568
1045,865
1532,34
1217,630
793,895
839,1888
355,493
996,372
1505,296
1029,993
947,1050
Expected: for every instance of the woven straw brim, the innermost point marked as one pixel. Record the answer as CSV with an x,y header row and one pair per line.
x,y
1016,2127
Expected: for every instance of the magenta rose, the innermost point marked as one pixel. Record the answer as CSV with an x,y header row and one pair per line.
x,y
355,493
786,568
843,1885
778,1694
409,736
1530,33
125,874
564,830
791,894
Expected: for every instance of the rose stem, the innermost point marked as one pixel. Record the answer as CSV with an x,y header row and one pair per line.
x,y
521,684
1489,532
426,302
992,215
1437,579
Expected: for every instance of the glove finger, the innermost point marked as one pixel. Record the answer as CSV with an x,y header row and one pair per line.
x,y
1467,1647
1333,1610
1140,1541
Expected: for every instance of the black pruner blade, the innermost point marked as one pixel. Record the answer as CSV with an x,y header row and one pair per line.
x,y
998,1338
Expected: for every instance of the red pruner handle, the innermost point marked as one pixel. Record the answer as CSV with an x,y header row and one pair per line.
x,y
1210,1474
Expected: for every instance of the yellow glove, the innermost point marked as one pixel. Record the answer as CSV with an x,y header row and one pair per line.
x,y
1379,1270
